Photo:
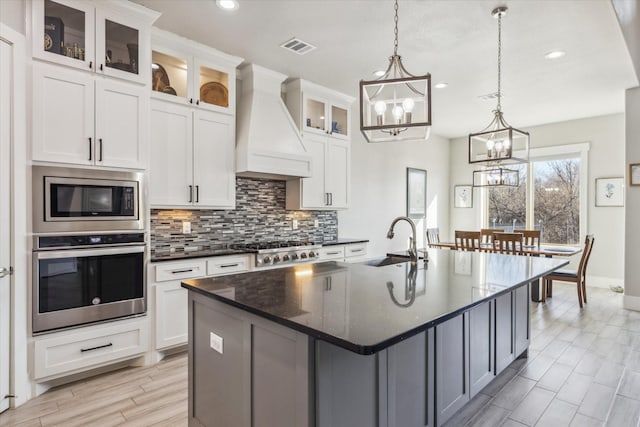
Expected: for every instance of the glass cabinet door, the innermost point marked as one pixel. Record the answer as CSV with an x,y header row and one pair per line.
x,y
339,121
315,114
169,75
212,87
67,32
118,48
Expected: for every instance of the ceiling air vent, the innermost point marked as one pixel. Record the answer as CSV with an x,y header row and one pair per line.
x,y
490,96
297,46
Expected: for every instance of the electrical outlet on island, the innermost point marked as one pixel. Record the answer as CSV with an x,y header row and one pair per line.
x,y
186,227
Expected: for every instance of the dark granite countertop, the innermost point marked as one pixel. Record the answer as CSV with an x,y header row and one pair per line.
x,y
366,309
344,241
201,253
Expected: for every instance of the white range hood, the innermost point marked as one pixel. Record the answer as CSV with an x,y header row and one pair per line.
x,y
268,143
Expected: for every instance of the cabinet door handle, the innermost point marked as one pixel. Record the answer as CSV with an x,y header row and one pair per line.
x,y
90,64
190,100
229,265
191,194
101,69
333,253
100,141
82,350
330,199
186,270
90,149
197,102
326,199
356,250
197,193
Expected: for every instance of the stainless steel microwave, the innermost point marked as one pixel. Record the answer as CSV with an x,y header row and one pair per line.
x,y
86,200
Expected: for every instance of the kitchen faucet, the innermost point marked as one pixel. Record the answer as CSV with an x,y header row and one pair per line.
x,y
413,251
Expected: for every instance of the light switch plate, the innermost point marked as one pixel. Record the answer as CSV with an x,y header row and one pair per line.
x,y
316,223
294,224
215,342
186,227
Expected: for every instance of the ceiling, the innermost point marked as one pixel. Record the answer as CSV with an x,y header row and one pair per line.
x,y
455,41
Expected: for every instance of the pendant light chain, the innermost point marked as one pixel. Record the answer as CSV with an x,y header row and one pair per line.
x,y
499,107
395,29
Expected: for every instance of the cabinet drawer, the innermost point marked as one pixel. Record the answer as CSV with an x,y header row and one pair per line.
x,y
89,347
331,252
355,249
227,265
180,270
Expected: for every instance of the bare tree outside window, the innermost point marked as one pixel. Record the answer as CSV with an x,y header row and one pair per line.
x,y
556,198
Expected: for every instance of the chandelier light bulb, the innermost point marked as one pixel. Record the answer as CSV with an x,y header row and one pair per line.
x,y
380,107
408,105
397,113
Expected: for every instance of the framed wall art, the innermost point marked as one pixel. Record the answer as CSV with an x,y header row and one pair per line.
x,y
609,192
634,174
416,193
463,196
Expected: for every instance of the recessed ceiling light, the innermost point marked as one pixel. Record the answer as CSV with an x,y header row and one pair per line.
x,y
379,73
228,4
555,54
441,85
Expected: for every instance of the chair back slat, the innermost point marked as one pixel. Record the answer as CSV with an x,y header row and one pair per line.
x,y
508,243
531,237
586,253
486,234
433,235
467,240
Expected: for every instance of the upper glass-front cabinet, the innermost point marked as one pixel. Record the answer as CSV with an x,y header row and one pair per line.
x,y
185,72
325,117
84,35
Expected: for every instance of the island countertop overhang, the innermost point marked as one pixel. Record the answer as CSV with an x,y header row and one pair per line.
x,y
366,309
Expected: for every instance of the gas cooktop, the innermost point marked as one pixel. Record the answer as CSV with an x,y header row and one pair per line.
x,y
281,253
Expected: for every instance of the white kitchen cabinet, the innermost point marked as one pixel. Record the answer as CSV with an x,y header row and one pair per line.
x,y
107,37
319,110
348,252
188,73
76,350
323,117
192,160
170,309
87,121
328,187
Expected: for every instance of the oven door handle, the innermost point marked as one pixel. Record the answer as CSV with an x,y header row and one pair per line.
x,y
82,253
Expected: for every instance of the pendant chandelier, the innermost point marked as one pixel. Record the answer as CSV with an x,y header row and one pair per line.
x,y
396,106
499,143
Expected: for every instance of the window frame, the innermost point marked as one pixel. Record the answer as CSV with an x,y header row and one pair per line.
x,y
556,152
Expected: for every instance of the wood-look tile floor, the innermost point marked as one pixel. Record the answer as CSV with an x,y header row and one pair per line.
x,y
583,370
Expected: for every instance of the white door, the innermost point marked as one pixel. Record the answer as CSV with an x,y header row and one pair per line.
x,y
5,220
313,189
121,111
171,154
214,174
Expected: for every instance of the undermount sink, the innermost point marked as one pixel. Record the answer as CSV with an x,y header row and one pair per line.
x,y
388,260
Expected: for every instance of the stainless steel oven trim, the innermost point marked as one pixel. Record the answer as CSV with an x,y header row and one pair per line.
x,y
80,316
97,182
85,224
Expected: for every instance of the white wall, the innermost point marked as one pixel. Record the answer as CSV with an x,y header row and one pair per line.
x,y
632,205
606,136
12,13
378,189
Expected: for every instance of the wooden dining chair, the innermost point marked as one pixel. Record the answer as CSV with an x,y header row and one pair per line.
x,y
467,240
433,236
486,234
579,276
531,237
508,243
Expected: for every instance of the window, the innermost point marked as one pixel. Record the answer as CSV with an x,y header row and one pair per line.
x,y
549,197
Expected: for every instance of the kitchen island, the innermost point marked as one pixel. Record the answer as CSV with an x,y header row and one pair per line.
x,y
336,344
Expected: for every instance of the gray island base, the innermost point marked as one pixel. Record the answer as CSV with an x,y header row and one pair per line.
x,y
333,344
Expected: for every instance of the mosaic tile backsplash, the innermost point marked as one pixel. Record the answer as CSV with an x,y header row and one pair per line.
x,y
260,216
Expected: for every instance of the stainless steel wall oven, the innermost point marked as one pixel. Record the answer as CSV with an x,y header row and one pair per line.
x,y
81,279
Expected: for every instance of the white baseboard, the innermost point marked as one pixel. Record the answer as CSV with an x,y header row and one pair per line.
x,y
631,303
603,282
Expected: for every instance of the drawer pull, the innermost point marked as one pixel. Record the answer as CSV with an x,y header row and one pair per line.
x,y
82,350
333,253
228,265
357,250
186,270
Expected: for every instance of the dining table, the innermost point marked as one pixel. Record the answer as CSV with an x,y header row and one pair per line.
x,y
547,251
